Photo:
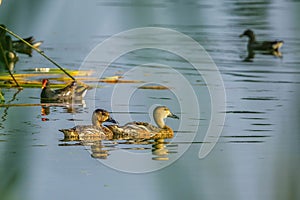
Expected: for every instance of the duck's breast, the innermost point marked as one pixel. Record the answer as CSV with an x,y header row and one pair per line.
x,y
164,133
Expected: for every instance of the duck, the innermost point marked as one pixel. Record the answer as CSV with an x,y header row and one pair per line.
x,y
11,56
18,45
23,48
72,91
271,46
145,130
92,132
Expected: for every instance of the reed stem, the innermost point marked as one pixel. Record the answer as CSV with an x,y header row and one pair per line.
x,y
39,51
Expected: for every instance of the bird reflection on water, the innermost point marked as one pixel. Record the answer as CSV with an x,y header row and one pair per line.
x,y
102,149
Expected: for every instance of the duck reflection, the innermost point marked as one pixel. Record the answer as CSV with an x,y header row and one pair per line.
x,y
102,149
68,107
161,150
99,151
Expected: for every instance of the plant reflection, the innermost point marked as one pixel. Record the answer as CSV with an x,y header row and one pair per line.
x,y
5,111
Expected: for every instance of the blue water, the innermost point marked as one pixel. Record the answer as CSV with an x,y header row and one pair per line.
x,y
257,155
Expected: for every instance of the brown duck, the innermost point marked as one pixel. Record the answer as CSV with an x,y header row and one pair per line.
x,y
92,132
145,130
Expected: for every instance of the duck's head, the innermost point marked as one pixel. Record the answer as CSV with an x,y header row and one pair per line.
x,y
249,33
100,116
160,113
45,83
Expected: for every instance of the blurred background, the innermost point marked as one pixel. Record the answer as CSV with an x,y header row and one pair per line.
x,y
257,156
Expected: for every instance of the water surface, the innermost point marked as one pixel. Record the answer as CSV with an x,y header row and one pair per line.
x,y
257,156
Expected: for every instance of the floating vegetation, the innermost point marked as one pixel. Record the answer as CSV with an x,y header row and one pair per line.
x,y
33,80
154,87
117,79
47,70
39,105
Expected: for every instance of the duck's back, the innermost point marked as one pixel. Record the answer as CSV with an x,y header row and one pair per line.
x,y
88,132
265,45
141,130
66,92
48,94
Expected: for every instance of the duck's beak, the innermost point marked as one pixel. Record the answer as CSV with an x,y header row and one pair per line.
x,y
241,35
44,84
110,119
171,115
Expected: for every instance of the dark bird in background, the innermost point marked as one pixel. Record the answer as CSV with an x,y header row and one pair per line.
x,y
269,47
10,48
262,45
8,57
72,91
21,47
